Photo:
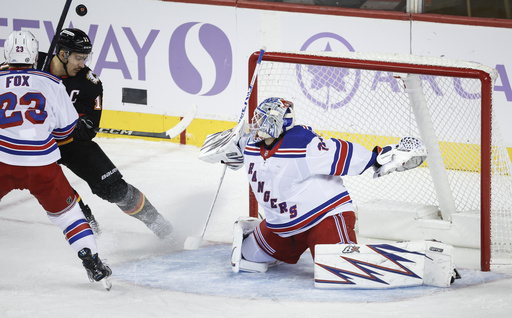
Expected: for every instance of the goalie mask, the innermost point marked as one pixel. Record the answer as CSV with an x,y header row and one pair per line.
x,y
21,47
271,118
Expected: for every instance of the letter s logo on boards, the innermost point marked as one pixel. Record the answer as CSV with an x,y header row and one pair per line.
x,y
200,59
315,80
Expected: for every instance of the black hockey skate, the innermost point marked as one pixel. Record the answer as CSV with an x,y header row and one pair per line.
x,y
95,269
154,221
86,210
161,227
90,218
147,213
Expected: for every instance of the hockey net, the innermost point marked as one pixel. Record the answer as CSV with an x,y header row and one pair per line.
x,y
376,99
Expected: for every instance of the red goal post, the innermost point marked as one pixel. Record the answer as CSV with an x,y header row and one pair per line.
x,y
374,99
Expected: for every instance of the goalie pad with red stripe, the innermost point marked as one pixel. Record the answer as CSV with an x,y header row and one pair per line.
x,y
380,266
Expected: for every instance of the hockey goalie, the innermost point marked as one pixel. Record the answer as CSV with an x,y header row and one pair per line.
x,y
296,176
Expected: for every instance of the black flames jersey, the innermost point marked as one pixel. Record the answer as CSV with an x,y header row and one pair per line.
x,y
86,92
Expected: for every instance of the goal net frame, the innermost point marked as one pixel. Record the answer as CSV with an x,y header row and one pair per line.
x,y
404,65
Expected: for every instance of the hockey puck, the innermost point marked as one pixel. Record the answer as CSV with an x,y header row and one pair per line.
x,y
81,10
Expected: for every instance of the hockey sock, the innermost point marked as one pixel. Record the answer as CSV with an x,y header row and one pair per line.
x,y
76,229
135,204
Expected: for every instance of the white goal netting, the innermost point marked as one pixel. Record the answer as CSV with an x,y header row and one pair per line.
x,y
376,99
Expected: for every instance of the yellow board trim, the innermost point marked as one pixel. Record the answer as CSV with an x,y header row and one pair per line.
x,y
458,156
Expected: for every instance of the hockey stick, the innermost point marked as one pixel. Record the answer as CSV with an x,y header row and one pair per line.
x,y
47,59
193,242
169,134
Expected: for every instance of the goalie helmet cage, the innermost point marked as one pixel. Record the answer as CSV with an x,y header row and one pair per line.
x,y
374,99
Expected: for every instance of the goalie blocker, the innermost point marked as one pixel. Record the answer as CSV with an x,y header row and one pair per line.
x,y
223,147
380,266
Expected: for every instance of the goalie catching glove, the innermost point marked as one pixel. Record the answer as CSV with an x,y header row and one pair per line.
x,y
408,154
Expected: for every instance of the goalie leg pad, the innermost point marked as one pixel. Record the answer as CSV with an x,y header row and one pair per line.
x,y
254,259
241,229
439,267
381,266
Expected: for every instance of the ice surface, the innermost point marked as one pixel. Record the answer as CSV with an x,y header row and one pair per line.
x,y
42,277
206,272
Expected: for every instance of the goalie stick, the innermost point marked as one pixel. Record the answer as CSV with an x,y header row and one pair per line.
x,y
193,242
215,143
169,134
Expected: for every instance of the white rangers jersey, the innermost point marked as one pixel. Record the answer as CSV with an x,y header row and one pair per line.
x,y
298,183
35,111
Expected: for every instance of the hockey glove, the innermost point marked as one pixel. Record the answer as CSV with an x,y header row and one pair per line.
x,y
223,147
408,154
84,129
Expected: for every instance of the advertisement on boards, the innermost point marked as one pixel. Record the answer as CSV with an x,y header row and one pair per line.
x,y
180,54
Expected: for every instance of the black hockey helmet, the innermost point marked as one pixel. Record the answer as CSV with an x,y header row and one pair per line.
x,y
74,40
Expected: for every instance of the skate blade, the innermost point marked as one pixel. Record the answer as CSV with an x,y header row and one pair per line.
x,y
106,283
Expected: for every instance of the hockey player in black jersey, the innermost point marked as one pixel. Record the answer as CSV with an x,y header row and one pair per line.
x,y
80,153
